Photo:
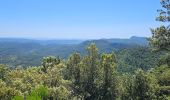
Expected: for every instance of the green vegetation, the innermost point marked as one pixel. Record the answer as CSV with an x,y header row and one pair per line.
x,y
135,73
94,76
144,58
21,52
130,57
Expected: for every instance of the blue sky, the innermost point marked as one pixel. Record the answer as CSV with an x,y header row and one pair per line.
x,y
77,19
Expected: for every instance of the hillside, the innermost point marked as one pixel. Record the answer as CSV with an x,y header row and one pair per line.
x,y
27,52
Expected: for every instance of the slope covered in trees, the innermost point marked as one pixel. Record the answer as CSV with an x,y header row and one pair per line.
x,y
94,76
131,56
132,59
25,52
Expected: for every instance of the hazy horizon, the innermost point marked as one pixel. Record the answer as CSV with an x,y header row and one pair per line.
x,y
76,19
81,39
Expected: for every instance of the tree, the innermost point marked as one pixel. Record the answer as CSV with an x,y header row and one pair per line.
x,y
161,41
164,13
110,87
72,67
162,74
73,73
91,73
144,86
54,80
50,62
161,36
128,85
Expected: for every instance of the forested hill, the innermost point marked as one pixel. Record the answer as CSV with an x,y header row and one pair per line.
x,y
132,40
29,52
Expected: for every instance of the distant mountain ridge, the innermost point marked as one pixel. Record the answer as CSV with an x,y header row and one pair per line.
x,y
27,52
46,42
132,40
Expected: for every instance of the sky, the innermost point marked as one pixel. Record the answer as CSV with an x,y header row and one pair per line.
x,y
77,19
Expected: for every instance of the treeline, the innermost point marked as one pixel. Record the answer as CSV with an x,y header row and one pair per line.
x,y
90,77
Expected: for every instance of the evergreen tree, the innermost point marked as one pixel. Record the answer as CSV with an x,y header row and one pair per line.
x,y
110,83
161,40
74,74
161,36
91,73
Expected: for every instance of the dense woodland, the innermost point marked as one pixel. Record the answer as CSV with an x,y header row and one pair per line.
x,y
135,73
94,76
29,52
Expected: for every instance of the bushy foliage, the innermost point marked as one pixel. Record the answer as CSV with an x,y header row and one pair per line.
x,y
90,77
160,40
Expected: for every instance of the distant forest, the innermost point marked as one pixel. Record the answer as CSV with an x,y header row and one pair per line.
x,y
28,52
